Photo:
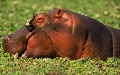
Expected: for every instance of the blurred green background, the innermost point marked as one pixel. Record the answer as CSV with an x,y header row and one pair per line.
x,y
14,14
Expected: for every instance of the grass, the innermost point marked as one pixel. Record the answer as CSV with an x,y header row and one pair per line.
x,y
13,15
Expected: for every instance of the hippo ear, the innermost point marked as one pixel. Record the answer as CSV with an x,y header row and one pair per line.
x,y
58,13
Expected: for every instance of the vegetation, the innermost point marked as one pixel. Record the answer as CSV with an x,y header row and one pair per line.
x,y
13,15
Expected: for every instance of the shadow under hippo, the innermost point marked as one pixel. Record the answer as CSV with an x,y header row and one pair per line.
x,y
63,33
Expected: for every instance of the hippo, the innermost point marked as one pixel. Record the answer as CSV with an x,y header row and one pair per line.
x,y
63,33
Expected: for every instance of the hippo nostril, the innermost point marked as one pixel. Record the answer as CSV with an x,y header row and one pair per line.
x,y
6,38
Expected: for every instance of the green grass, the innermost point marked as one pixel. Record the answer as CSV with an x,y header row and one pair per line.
x,y
13,15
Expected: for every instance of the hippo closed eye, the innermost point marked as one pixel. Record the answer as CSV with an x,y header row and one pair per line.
x,y
63,33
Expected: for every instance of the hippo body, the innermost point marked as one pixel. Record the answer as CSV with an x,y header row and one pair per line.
x,y
62,33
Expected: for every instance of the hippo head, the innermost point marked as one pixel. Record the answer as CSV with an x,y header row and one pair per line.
x,y
33,39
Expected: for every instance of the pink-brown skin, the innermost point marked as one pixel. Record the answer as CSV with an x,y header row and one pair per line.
x,y
62,33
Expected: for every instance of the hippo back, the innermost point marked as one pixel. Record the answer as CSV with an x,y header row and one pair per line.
x,y
116,41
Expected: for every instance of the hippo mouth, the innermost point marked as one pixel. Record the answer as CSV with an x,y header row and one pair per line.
x,y
32,30
17,42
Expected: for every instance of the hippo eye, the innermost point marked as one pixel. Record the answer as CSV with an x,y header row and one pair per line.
x,y
40,20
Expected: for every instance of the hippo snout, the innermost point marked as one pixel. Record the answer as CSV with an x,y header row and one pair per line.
x,y
6,43
6,38
17,41
9,44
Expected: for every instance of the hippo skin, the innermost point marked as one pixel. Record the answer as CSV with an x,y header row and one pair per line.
x,y
63,33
